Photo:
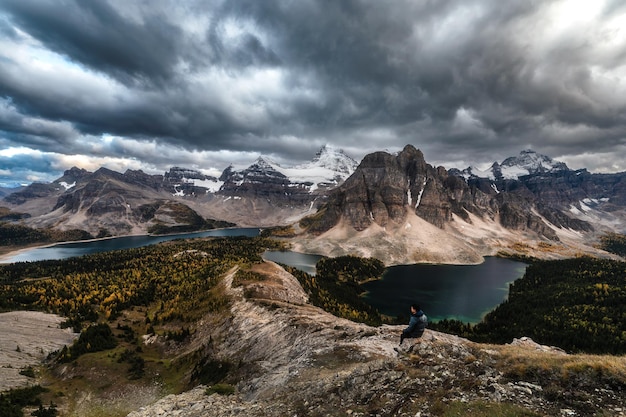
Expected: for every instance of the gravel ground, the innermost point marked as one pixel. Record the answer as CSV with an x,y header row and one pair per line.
x,y
26,338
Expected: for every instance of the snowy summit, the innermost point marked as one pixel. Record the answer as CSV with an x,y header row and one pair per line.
x,y
330,167
526,163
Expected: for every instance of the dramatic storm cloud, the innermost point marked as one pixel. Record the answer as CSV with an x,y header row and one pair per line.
x,y
202,84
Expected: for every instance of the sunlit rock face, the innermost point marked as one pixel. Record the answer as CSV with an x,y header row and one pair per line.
x,y
385,187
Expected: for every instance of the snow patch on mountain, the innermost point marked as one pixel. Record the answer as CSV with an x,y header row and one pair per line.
x,y
180,177
529,162
476,172
212,185
526,163
330,167
67,186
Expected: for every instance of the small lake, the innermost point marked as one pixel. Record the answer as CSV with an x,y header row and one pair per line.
x,y
302,261
462,292
71,249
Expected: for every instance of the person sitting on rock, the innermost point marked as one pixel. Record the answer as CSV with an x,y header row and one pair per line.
x,y
417,324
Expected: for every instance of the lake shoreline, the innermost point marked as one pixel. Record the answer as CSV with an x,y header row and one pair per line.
x,y
462,292
17,250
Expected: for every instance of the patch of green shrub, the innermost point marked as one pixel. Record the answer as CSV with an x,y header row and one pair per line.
x,y
221,389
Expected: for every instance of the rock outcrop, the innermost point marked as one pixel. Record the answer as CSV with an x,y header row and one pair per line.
x,y
27,338
296,360
384,187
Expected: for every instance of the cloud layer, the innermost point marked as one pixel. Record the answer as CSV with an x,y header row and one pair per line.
x,y
153,84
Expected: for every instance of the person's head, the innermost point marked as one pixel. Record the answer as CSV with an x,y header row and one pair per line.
x,y
415,308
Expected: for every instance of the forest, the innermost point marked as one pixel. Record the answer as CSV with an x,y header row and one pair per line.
x,y
18,235
336,286
174,278
613,243
577,304
169,285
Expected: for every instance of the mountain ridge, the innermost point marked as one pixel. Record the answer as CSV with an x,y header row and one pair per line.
x,y
313,363
390,195
528,162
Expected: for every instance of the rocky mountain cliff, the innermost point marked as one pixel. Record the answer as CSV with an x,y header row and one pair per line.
x,y
102,200
528,162
385,186
296,185
390,197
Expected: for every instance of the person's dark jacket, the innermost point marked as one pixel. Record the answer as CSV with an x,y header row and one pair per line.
x,y
417,324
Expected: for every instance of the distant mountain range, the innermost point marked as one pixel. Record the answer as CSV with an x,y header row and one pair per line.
x,y
528,162
396,207
329,168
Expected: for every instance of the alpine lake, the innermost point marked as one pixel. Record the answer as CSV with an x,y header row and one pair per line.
x,y
462,292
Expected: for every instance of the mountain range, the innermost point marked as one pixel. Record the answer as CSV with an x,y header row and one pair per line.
x,y
396,207
528,162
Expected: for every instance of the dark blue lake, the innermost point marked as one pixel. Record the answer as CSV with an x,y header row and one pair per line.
x,y
462,292
70,249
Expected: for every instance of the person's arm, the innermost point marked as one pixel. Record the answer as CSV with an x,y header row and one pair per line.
x,y
411,327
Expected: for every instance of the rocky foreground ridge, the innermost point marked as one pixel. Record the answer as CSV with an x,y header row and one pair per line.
x,y
297,360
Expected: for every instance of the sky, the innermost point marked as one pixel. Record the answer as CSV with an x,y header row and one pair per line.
x,y
130,84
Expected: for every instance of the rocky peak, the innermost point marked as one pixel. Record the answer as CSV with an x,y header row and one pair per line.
x,y
140,178
74,174
299,185
385,188
190,182
260,171
334,159
262,164
228,173
529,162
181,175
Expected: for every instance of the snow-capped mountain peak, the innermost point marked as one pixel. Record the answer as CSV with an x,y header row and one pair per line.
x,y
264,162
529,162
334,159
329,168
526,163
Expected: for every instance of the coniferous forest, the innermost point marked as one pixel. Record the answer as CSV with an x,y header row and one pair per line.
x,y
576,304
176,276
336,286
171,284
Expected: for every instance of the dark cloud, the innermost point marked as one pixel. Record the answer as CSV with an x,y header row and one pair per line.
x,y
24,169
466,81
96,35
